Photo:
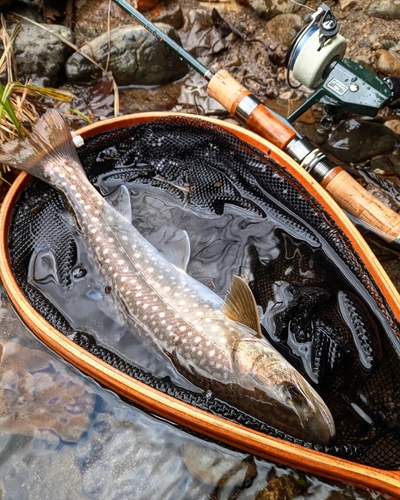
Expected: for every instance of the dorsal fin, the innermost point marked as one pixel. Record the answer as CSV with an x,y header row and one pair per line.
x,y
240,305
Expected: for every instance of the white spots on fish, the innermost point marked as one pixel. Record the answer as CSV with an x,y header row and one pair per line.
x,y
197,339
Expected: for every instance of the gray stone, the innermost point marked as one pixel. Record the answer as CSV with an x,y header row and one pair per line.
x,y
136,58
272,8
284,27
41,56
387,9
355,141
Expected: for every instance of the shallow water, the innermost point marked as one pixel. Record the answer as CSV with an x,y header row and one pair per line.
x,y
119,452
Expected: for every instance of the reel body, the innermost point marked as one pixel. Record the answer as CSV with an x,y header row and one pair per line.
x,y
315,59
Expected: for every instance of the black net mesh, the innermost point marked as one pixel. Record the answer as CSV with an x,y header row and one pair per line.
x,y
328,317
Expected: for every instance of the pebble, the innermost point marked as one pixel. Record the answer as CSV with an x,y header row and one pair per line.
x,y
387,9
347,4
137,58
393,125
387,63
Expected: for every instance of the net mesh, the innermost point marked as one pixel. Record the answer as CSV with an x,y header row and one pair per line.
x,y
346,336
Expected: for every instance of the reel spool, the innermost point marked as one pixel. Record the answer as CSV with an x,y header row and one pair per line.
x,y
314,48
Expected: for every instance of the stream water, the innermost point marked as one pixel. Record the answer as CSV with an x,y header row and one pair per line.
x,y
114,450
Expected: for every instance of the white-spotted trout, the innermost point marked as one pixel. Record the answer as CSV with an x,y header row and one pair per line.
x,y
214,343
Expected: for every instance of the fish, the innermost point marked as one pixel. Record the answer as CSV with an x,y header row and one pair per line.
x,y
216,343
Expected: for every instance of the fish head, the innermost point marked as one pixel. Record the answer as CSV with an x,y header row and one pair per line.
x,y
279,395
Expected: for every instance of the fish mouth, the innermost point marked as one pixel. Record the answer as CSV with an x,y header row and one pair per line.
x,y
320,427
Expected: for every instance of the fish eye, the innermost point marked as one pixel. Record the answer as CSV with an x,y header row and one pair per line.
x,y
294,391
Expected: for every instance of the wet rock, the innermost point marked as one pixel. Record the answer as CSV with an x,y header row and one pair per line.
x,y
216,467
284,27
172,16
387,9
355,141
272,8
136,58
388,63
40,397
40,56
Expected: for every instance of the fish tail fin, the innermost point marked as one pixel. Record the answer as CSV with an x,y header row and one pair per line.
x,y
50,141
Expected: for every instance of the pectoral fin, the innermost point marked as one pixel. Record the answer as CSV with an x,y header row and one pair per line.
x,y
240,305
120,200
177,249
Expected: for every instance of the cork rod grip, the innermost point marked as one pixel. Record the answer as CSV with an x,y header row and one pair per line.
x,y
228,92
351,196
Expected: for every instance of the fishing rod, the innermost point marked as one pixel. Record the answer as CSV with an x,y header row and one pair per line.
x,y
241,103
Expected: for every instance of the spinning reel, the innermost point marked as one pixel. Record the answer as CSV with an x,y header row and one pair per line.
x,y
315,60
